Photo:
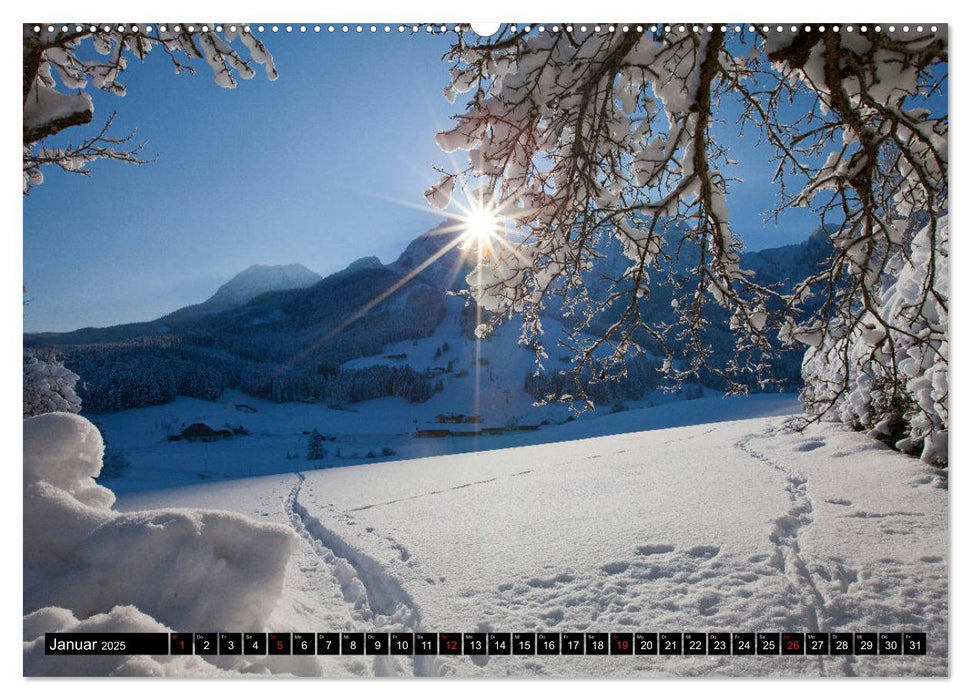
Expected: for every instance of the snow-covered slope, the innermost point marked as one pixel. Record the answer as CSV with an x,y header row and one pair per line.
x,y
716,527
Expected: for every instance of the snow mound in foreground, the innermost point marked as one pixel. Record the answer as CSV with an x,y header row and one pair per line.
x,y
65,451
183,569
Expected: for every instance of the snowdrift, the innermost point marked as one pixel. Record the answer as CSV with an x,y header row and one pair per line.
x,y
178,569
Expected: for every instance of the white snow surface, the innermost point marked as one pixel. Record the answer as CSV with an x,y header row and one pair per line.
x,y
367,428
733,526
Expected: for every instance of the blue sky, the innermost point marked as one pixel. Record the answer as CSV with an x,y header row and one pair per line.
x,y
318,167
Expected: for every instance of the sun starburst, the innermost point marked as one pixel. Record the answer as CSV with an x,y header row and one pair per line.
x,y
483,226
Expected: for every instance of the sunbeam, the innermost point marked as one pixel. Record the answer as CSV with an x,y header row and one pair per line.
x,y
478,228
368,306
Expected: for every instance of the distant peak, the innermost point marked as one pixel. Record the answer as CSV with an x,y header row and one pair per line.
x,y
434,252
364,263
292,268
259,279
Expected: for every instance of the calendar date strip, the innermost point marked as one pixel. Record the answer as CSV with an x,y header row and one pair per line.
x,y
490,643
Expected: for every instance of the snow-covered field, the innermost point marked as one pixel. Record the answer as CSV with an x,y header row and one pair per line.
x,y
360,434
731,526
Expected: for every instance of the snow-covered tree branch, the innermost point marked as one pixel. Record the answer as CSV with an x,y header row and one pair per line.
x,y
580,139
61,63
49,386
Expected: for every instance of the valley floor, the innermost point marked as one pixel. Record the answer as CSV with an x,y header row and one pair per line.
x,y
363,433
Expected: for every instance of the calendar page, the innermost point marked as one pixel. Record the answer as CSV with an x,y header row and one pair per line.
x,y
531,350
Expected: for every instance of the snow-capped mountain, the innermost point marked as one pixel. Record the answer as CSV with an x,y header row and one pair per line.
x,y
256,280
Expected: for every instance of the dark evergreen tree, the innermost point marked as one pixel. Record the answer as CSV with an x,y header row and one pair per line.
x,y
315,446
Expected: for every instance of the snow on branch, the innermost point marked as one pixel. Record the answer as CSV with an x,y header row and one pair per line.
x,y
74,159
49,386
58,71
585,138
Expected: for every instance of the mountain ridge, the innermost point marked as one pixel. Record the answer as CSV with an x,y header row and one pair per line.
x,y
323,341
242,288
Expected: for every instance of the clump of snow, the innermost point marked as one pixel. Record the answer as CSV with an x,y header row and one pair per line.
x,y
64,451
44,106
440,194
188,569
